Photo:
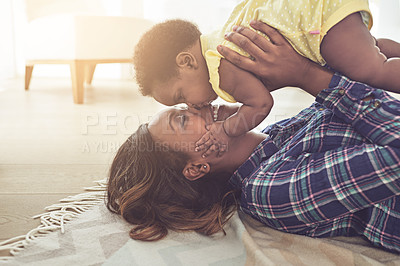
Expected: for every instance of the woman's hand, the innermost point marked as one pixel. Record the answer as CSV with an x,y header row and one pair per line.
x,y
275,62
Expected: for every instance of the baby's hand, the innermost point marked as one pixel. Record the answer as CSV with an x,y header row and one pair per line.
x,y
214,140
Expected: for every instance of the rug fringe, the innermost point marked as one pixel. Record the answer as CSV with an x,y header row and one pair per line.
x,y
56,216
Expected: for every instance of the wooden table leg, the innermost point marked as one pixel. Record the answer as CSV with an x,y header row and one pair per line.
x,y
77,76
28,75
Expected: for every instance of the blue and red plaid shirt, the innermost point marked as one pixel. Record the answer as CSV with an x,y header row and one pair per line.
x,y
332,170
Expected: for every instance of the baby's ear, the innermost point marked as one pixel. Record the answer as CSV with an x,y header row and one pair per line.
x,y
186,59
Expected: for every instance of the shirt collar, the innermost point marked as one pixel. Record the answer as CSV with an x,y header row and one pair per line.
x,y
263,151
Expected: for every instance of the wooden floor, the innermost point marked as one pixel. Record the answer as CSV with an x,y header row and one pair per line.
x,y
52,148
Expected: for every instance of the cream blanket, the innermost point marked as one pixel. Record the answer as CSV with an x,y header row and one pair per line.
x,y
98,237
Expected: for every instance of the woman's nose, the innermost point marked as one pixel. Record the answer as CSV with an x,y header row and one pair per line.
x,y
205,112
194,109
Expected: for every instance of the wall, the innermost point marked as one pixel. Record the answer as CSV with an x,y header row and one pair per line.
x,y
7,52
387,19
12,22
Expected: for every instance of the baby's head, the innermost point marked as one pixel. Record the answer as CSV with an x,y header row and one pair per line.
x,y
170,67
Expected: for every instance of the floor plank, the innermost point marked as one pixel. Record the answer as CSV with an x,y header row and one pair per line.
x,y
16,211
53,178
52,148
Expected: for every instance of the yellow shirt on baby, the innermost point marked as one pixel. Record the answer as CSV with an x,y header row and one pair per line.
x,y
304,23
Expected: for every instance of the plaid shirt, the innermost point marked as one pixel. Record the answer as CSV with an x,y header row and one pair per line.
x,y
332,170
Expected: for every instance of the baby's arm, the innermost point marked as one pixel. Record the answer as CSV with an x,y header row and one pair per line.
x,y
388,47
256,104
226,110
350,49
249,90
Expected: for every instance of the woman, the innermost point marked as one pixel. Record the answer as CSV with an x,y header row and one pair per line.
x,y
333,169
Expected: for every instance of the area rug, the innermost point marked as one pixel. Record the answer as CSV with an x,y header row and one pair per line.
x,y
81,231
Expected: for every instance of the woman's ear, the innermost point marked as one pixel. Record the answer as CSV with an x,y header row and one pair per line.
x,y
186,59
194,171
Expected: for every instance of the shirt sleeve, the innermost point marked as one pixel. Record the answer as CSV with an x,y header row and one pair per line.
x,y
378,120
314,187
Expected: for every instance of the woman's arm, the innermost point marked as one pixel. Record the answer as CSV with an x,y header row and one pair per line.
x,y
371,112
311,187
275,62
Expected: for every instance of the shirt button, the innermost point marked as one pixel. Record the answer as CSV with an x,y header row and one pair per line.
x,y
377,104
341,91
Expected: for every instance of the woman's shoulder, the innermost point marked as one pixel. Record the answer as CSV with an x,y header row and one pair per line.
x,y
301,118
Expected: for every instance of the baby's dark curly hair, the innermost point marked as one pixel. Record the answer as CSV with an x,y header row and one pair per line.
x,y
155,53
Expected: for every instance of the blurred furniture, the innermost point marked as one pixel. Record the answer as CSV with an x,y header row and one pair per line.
x,y
75,32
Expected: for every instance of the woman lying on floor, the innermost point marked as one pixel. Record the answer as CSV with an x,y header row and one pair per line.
x,y
331,170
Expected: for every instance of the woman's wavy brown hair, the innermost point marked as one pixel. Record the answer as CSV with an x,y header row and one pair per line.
x,y
146,186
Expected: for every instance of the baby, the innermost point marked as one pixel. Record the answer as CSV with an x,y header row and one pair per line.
x,y
175,63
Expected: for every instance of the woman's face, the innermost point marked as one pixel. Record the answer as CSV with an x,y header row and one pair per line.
x,y
180,129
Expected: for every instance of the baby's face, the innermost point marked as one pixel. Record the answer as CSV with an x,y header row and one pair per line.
x,y
190,87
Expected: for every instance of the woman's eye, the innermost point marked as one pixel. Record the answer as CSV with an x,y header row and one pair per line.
x,y
183,120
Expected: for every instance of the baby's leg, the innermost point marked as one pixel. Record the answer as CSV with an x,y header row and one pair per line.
x,y
349,48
